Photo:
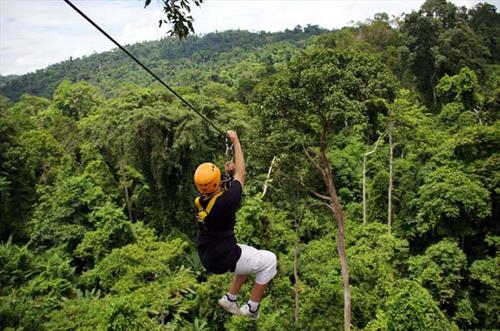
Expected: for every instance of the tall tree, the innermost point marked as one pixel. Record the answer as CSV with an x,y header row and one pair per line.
x,y
440,41
485,21
322,93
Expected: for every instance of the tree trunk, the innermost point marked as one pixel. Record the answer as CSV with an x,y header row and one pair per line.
x,y
433,89
364,190
389,191
129,207
125,189
337,213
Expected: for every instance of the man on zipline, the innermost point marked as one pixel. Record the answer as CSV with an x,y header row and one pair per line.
x,y
217,245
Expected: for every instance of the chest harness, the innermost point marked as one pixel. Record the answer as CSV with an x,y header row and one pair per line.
x,y
203,212
226,183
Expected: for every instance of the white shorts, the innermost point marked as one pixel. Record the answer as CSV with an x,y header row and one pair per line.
x,y
260,262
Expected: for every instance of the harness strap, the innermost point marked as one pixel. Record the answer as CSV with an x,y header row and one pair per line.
x,y
202,212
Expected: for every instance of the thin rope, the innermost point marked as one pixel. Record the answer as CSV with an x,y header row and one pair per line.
x,y
144,67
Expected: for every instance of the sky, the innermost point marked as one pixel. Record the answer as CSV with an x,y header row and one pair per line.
x,y
37,33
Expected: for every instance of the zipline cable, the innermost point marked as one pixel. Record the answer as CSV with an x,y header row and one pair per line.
x,y
143,66
168,87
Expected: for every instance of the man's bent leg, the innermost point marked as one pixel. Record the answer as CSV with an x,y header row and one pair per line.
x,y
238,281
229,300
264,275
257,292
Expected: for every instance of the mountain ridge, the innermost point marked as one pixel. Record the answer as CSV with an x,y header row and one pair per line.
x,y
166,57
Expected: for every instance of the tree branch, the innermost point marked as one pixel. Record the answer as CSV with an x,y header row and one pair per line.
x,y
364,174
311,159
376,144
268,178
321,196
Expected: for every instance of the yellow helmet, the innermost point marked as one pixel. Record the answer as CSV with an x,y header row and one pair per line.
x,y
207,177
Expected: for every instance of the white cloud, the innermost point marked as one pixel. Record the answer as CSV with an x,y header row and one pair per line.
x,y
37,33
145,28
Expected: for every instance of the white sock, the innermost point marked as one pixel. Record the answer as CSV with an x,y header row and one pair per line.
x,y
231,297
254,306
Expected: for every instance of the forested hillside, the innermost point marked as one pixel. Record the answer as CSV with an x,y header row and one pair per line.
x,y
97,228
219,57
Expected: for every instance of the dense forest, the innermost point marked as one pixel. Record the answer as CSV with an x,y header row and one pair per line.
x,y
97,227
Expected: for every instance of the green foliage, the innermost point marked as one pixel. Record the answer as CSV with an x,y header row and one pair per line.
x,y
60,217
26,301
411,307
17,265
30,105
112,230
449,201
440,270
486,273
349,80
375,259
77,100
347,163
126,268
96,215
441,41
126,314
262,226
177,15
460,88
484,20
42,154
211,57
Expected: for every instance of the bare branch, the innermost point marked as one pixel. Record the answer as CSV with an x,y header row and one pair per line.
x,y
364,174
311,159
478,115
321,196
268,178
376,144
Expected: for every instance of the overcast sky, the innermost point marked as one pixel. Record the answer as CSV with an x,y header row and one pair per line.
x,y
37,33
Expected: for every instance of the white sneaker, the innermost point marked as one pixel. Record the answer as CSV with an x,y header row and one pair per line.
x,y
246,311
228,305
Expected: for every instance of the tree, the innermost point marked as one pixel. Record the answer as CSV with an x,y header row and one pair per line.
x,y
486,276
321,93
365,156
485,21
411,308
440,270
451,202
462,88
440,41
376,259
177,15
77,100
